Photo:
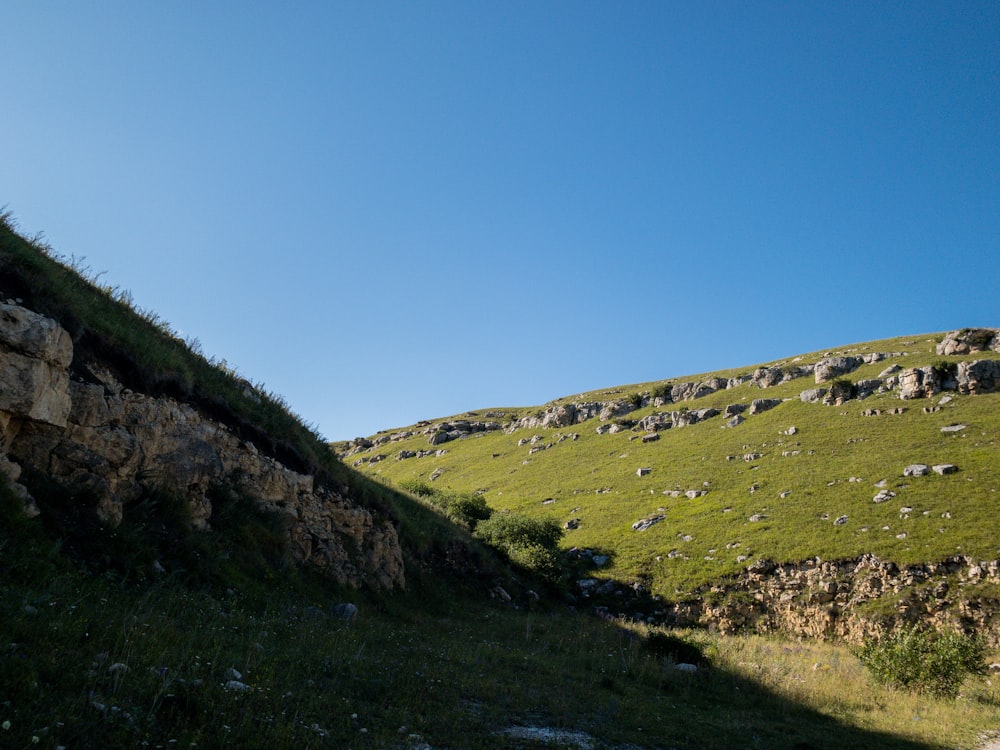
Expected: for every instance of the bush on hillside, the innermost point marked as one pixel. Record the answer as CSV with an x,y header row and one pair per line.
x,y
663,391
464,508
923,660
467,508
417,487
530,542
944,369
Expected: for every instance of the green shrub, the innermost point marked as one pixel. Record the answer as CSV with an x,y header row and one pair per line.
x,y
530,542
507,530
417,487
944,369
663,391
923,660
541,560
465,508
978,338
635,399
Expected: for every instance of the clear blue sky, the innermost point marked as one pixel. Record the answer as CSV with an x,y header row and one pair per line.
x,y
389,211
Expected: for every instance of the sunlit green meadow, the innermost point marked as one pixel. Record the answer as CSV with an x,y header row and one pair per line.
x,y
797,484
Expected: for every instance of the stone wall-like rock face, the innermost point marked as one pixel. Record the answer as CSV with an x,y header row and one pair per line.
x,y
969,341
36,354
825,599
116,441
829,368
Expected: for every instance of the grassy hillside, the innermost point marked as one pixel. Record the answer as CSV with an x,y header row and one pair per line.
x,y
797,484
90,660
230,645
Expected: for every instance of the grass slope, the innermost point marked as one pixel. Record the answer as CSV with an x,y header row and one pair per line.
x,y
95,661
802,482
229,645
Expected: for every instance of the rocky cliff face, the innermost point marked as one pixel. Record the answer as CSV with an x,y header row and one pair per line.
x,y
85,428
848,600
840,599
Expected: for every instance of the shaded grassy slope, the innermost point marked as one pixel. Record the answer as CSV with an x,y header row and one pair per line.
x,y
93,661
802,482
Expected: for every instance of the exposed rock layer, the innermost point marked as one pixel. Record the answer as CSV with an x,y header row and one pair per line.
x,y
92,431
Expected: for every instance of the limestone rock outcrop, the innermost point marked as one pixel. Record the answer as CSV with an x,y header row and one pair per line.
x,y
969,341
829,368
91,431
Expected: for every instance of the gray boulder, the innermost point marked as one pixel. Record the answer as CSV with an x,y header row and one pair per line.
x,y
918,382
646,523
970,340
883,496
812,395
765,377
759,405
981,376
829,368
865,388
841,391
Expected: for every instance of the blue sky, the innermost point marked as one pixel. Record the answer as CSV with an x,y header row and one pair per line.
x,y
390,211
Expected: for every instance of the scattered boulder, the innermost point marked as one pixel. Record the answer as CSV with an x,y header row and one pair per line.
x,y
916,470
981,376
919,382
829,368
734,409
954,428
841,391
653,422
943,469
840,521
756,518
760,405
765,377
614,409
643,471
646,523
883,496
812,395
865,388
